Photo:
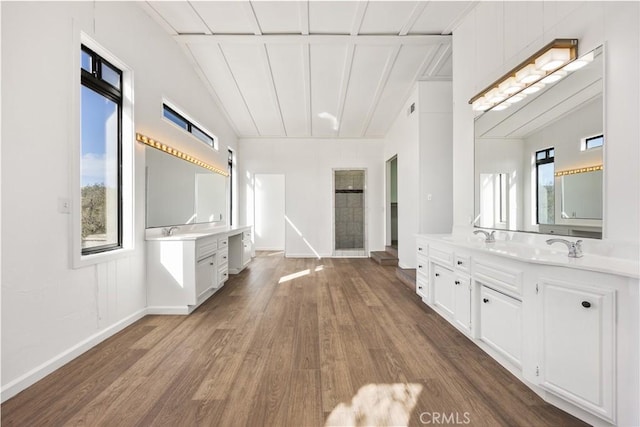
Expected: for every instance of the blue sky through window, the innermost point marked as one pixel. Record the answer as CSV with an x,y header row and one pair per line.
x,y
99,139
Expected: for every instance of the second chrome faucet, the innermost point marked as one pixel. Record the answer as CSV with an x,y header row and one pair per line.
x,y
488,237
575,248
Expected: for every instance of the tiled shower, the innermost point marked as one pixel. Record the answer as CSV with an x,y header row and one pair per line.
x,y
349,215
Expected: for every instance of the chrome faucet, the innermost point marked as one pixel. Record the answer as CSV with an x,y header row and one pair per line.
x,y
488,237
575,248
169,231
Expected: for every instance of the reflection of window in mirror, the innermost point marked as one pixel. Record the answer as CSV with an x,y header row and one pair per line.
x,y
591,142
545,191
503,198
494,200
230,170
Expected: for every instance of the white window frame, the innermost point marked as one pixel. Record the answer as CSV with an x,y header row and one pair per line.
x,y
128,149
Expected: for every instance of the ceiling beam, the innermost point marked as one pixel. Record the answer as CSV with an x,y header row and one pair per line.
x,y
415,14
303,9
380,40
359,17
272,86
438,60
253,19
344,84
306,67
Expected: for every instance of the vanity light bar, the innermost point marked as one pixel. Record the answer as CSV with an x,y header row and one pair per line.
x,y
529,72
579,170
177,153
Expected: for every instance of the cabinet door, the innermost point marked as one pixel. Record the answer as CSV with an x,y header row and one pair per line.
x,y
462,301
578,344
443,289
501,324
205,275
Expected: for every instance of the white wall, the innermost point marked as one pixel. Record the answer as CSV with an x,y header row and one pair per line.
x,y
402,140
496,36
422,142
436,180
51,312
307,165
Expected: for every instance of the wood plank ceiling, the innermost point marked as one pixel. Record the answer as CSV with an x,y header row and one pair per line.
x,y
329,69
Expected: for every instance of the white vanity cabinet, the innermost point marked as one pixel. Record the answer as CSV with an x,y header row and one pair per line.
x,y
568,328
240,251
422,269
184,270
577,343
450,290
501,324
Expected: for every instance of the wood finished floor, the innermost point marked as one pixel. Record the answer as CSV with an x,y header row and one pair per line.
x,y
285,343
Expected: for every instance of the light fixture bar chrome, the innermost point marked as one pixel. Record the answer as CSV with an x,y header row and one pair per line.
x,y
177,153
529,72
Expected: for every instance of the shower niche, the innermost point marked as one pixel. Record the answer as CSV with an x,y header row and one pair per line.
x,y
349,212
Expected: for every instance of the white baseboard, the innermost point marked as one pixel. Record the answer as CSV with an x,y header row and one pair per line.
x,y
39,372
170,310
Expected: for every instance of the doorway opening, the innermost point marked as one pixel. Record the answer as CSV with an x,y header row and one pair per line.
x,y
392,202
269,205
349,218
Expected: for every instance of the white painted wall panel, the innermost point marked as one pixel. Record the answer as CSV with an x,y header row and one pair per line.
x,y
226,17
408,65
210,59
289,76
252,73
181,16
368,68
386,17
278,17
331,17
47,307
327,65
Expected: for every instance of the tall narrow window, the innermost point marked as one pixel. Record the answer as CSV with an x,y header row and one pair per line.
x,y
545,191
101,154
230,167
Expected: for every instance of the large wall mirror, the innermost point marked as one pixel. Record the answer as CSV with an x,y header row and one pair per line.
x,y
539,163
179,192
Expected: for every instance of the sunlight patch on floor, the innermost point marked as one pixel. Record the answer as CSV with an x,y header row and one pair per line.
x,y
377,405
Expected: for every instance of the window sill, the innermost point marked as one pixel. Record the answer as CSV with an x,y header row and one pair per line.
x,y
100,258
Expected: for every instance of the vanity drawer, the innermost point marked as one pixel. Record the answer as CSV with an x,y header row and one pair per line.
x,y
422,286
499,278
223,242
442,254
246,235
206,247
223,275
223,257
422,266
422,247
462,263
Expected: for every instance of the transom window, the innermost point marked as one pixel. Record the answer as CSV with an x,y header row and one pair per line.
x,y
186,124
592,142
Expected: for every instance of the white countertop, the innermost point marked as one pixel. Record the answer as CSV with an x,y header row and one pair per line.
x,y
553,255
180,235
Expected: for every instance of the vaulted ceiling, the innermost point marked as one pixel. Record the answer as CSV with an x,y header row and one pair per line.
x,y
330,69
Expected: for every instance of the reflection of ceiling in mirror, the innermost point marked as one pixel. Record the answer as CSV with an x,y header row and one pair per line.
x,y
546,106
